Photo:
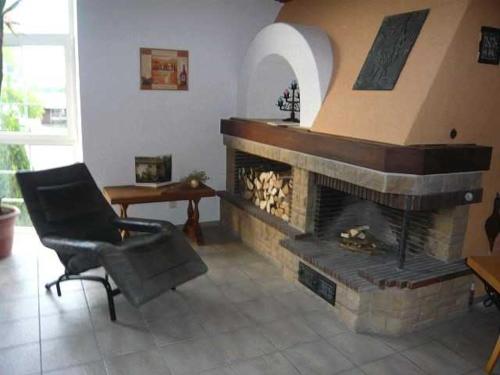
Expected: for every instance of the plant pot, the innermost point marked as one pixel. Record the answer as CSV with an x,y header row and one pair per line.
x,y
194,183
7,220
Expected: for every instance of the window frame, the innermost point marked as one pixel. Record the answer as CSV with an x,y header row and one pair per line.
x,y
67,41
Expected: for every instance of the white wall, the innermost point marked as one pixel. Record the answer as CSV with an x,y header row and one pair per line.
x,y
120,121
273,75
308,51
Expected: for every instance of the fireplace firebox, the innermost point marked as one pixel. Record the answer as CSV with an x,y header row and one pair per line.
x,y
378,228
382,226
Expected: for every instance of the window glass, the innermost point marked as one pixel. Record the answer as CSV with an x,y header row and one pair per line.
x,y
38,17
33,96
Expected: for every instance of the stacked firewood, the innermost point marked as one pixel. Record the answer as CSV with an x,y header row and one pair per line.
x,y
268,190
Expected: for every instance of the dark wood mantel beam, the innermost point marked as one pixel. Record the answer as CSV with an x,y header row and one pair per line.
x,y
385,157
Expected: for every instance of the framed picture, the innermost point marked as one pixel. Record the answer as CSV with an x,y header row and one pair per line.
x,y
154,171
489,48
164,69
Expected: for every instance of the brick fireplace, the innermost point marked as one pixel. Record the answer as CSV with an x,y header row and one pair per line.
x,y
412,200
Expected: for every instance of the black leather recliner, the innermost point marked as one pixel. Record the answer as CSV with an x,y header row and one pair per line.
x,y
72,217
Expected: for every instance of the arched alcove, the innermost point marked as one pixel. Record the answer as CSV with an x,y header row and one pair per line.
x,y
271,77
308,54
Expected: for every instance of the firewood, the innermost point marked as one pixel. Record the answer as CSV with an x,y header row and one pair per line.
x,y
281,194
262,204
249,184
285,189
257,183
248,195
285,217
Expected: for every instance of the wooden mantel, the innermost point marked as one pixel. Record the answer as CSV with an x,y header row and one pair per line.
x,y
385,157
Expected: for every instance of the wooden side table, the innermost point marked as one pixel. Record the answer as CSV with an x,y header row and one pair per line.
x,y
127,195
487,268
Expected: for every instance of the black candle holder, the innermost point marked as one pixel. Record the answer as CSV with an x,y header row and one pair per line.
x,y
290,102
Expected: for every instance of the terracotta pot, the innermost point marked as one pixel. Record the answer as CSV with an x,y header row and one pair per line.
x,y
7,221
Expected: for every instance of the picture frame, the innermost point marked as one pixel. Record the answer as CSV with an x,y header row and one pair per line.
x,y
153,171
164,69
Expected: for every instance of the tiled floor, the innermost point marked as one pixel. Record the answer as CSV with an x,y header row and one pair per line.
x,y
240,318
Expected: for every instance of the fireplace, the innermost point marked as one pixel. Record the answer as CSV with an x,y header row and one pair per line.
x,y
341,209
410,204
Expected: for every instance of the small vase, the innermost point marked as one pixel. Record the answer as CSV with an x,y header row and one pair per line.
x,y
194,183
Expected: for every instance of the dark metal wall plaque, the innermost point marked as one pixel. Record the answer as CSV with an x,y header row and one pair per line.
x,y
489,48
390,50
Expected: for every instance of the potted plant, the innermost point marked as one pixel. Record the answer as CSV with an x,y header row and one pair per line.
x,y
4,9
8,215
195,178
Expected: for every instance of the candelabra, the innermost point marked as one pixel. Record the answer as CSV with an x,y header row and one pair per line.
x,y
290,102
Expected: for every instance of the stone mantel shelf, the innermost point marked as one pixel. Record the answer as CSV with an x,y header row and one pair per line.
x,y
448,188
384,157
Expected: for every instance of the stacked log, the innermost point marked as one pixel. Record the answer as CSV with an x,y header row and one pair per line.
x,y
270,191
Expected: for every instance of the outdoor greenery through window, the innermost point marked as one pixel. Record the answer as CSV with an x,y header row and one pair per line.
x,y
38,100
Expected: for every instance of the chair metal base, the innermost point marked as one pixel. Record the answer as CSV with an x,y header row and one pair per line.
x,y
110,292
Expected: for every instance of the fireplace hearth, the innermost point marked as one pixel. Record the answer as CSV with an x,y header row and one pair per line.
x,y
411,202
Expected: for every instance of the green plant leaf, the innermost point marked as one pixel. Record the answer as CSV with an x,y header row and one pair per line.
x,y
11,7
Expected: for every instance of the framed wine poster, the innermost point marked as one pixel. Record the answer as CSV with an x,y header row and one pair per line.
x,y
164,69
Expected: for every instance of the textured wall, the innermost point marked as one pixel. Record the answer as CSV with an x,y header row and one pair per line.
x,y
441,87
120,121
352,26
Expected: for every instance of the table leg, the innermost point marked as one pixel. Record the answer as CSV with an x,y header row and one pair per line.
x,y
493,358
123,215
192,227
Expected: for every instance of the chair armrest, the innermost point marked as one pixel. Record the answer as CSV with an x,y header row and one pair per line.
x,y
70,246
144,225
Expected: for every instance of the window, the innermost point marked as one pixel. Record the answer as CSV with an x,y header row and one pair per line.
x,y
38,106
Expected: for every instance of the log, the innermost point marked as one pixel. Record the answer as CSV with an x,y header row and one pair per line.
x,y
267,190
249,184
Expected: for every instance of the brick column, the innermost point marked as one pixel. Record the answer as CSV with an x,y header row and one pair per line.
x,y
303,198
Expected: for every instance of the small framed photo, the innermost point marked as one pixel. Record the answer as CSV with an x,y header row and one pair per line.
x,y
489,47
164,69
153,171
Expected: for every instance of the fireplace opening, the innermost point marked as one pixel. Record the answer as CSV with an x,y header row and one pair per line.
x,y
268,184
361,225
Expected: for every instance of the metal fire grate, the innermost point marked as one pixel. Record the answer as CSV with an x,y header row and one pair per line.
x,y
322,286
337,211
